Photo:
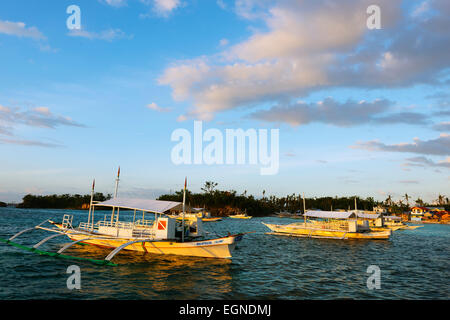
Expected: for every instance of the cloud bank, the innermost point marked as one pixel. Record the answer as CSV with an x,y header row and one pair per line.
x,y
307,46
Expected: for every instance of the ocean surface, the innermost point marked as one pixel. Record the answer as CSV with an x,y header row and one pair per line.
x,y
414,264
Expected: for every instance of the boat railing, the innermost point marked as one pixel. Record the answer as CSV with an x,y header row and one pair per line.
x,y
87,226
143,223
116,224
329,225
143,233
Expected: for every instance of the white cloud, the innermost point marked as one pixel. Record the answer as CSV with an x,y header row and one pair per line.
x,y
41,117
154,106
438,146
223,42
165,7
307,46
346,114
425,162
32,143
38,117
221,4
107,35
329,111
443,126
115,3
20,29
421,8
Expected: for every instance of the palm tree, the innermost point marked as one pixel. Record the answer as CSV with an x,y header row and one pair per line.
x,y
209,187
388,200
419,202
407,199
264,192
440,199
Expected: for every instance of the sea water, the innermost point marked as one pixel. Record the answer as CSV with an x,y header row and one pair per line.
x,y
413,264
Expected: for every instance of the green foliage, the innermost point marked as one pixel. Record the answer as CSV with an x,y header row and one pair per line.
x,y
65,201
217,200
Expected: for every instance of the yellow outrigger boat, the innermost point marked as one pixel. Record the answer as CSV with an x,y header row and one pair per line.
x,y
333,225
396,222
204,215
211,219
380,222
241,216
162,235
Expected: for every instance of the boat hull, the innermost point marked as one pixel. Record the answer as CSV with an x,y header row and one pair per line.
x,y
211,219
214,248
407,227
311,232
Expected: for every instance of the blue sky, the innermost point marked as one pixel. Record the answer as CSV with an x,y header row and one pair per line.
x,y
359,111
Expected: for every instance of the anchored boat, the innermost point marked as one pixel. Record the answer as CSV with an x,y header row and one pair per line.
x,y
241,216
161,235
379,222
396,222
201,213
330,225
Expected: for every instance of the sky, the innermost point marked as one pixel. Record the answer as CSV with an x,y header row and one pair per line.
x,y
360,111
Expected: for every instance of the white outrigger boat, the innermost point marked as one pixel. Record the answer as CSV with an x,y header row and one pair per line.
x,y
161,235
332,225
396,223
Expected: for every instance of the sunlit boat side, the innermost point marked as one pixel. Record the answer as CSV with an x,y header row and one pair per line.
x,y
332,225
161,235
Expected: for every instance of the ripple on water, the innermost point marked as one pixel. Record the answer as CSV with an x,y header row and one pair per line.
x,y
414,265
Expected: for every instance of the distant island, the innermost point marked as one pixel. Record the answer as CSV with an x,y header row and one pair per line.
x,y
224,203
65,201
2,204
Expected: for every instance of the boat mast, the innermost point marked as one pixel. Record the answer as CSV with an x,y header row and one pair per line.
x,y
115,193
304,208
90,204
184,207
117,183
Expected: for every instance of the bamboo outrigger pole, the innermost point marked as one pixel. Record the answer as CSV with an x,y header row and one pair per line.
x,y
184,204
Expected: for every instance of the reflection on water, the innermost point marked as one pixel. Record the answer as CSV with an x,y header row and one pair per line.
x,y
414,265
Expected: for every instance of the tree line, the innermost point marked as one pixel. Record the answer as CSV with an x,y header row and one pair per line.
x,y
222,203
64,201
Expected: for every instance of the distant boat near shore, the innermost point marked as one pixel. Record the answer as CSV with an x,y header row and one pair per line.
x,y
330,225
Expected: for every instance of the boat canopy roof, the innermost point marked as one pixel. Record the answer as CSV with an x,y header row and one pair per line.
x,y
368,215
392,218
330,214
155,206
